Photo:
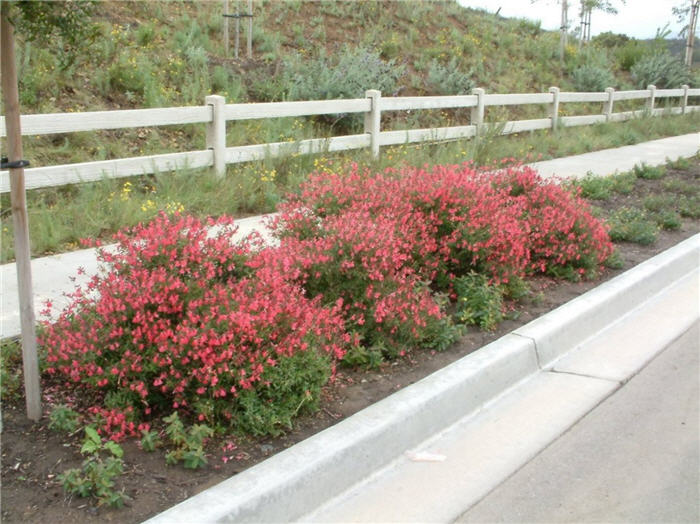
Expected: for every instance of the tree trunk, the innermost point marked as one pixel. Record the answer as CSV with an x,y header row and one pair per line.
x,y
18,201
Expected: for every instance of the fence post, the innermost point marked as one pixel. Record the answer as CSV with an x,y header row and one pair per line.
x,y
477,113
216,133
652,96
608,106
684,100
373,120
554,108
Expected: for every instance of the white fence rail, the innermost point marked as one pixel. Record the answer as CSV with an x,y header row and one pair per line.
x,y
215,113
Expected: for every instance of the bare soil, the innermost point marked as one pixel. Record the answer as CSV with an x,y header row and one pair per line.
x,y
33,455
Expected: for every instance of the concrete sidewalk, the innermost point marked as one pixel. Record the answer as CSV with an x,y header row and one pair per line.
x,y
52,275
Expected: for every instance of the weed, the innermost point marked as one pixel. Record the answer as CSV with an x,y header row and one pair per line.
x,y
478,302
150,440
667,219
623,183
96,476
655,203
189,445
595,187
631,224
689,206
647,172
10,369
63,419
681,187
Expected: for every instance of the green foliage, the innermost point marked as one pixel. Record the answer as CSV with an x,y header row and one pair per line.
x,y
188,445
629,54
293,387
67,25
623,183
448,79
689,206
355,70
63,419
631,224
615,260
663,70
655,203
595,187
96,477
10,369
648,172
150,440
478,302
592,78
667,219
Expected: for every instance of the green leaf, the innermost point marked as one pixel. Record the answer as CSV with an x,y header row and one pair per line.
x,y
114,448
92,434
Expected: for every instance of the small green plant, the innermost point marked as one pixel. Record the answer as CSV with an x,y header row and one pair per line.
x,y
667,219
615,260
656,203
689,206
595,187
149,440
648,172
681,187
10,369
631,224
478,302
95,478
623,184
63,419
189,445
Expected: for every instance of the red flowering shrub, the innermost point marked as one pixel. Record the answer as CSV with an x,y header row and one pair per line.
x,y
564,238
181,321
184,318
364,263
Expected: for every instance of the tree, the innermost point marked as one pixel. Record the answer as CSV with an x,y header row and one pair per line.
x,y
563,28
688,11
67,23
586,9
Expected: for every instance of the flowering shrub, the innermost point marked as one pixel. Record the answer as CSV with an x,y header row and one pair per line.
x,y
184,319
181,321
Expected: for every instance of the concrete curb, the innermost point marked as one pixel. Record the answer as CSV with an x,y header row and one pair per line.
x,y
301,478
571,324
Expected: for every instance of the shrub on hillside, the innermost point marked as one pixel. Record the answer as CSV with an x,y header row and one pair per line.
x,y
592,78
355,70
662,70
448,79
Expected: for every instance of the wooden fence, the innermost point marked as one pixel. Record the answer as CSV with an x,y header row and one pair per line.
x,y
215,113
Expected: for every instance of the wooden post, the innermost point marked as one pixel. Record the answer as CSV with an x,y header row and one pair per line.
x,y
554,108
226,42
18,199
216,133
250,29
684,100
477,113
238,28
373,120
652,99
608,105
563,29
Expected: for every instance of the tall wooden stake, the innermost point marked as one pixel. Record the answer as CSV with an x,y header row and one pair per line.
x,y
250,29
18,199
226,43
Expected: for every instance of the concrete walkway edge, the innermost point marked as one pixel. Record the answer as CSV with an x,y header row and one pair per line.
x,y
303,477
